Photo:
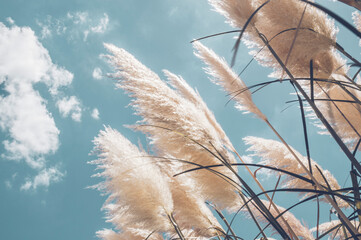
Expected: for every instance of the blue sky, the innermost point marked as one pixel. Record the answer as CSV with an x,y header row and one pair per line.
x,y
55,97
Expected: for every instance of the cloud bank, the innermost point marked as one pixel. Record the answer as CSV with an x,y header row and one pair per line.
x,y
30,128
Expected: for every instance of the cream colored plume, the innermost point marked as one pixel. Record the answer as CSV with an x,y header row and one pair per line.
x,y
176,125
190,94
139,234
138,192
128,234
300,230
338,232
275,154
317,33
345,116
190,210
108,234
190,234
224,76
315,37
237,12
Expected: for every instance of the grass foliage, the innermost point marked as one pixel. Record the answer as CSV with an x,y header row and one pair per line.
x,y
189,185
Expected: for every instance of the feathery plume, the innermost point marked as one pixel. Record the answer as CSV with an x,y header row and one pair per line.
x,y
190,210
139,234
175,125
224,76
338,232
128,234
193,235
140,192
343,114
275,154
190,94
279,19
107,234
236,12
315,38
339,105
299,229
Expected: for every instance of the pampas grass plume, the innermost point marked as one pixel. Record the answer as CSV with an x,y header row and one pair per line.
x,y
135,184
224,76
300,230
275,154
176,126
337,233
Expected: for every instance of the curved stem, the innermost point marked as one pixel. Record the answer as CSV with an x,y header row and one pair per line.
x,y
176,227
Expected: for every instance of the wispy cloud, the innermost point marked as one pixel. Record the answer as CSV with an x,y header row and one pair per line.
x,y
24,117
97,73
10,20
95,114
74,25
70,106
43,179
78,17
101,27
9,182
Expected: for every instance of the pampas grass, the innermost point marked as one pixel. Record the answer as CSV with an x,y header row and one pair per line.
x,y
172,120
300,230
141,194
275,154
224,76
181,186
334,229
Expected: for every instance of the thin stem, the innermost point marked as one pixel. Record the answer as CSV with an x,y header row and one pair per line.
x,y
267,196
176,227
220,214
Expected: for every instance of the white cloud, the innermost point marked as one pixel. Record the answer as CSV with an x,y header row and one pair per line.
x,y
78,17
97,73
10,20
70,105
23,114
32,129
95,113
43,179
86,34
102,25
74,25
24,118
56,78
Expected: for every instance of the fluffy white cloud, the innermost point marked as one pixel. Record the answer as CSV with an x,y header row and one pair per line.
x,y
95,113
43,179
70,105
30,127
97,73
